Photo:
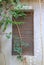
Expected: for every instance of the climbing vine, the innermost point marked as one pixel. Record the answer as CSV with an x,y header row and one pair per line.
x,y
9,9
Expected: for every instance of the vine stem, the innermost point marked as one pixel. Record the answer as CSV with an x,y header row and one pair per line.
x,y
24,59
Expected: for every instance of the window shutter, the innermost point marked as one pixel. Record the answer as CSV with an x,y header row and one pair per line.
x,y
27,33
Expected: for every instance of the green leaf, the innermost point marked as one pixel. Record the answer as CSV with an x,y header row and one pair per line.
x,y
23,43
16,13
0,10
16,1
6,22
5,26
0,0
20,57
8,35
1,23
19,23
18,50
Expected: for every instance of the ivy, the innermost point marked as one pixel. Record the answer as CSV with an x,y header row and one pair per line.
x,y
20,57
6,16
8,35
0,0
9,9
17,47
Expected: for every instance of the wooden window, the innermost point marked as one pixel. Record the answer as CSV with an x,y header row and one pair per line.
x,y
27,33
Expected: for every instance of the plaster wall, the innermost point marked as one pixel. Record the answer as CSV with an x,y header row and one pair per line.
x,y
7,44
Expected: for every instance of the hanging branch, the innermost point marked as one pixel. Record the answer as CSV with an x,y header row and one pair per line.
x,y
24,59
41,31
9,21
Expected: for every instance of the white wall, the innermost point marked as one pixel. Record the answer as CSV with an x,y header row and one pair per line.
x,y
7,44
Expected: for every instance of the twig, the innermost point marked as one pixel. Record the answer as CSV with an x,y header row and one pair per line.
x,y
24,59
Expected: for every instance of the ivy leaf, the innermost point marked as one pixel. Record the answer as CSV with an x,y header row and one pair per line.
x,y
17,1
17,13
23,43
1,23
7,21
0,0
19,23
20,57
5,26
22,14
8,35
18,50
0,10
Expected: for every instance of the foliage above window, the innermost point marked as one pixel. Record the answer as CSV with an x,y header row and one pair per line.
x,y
9,9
